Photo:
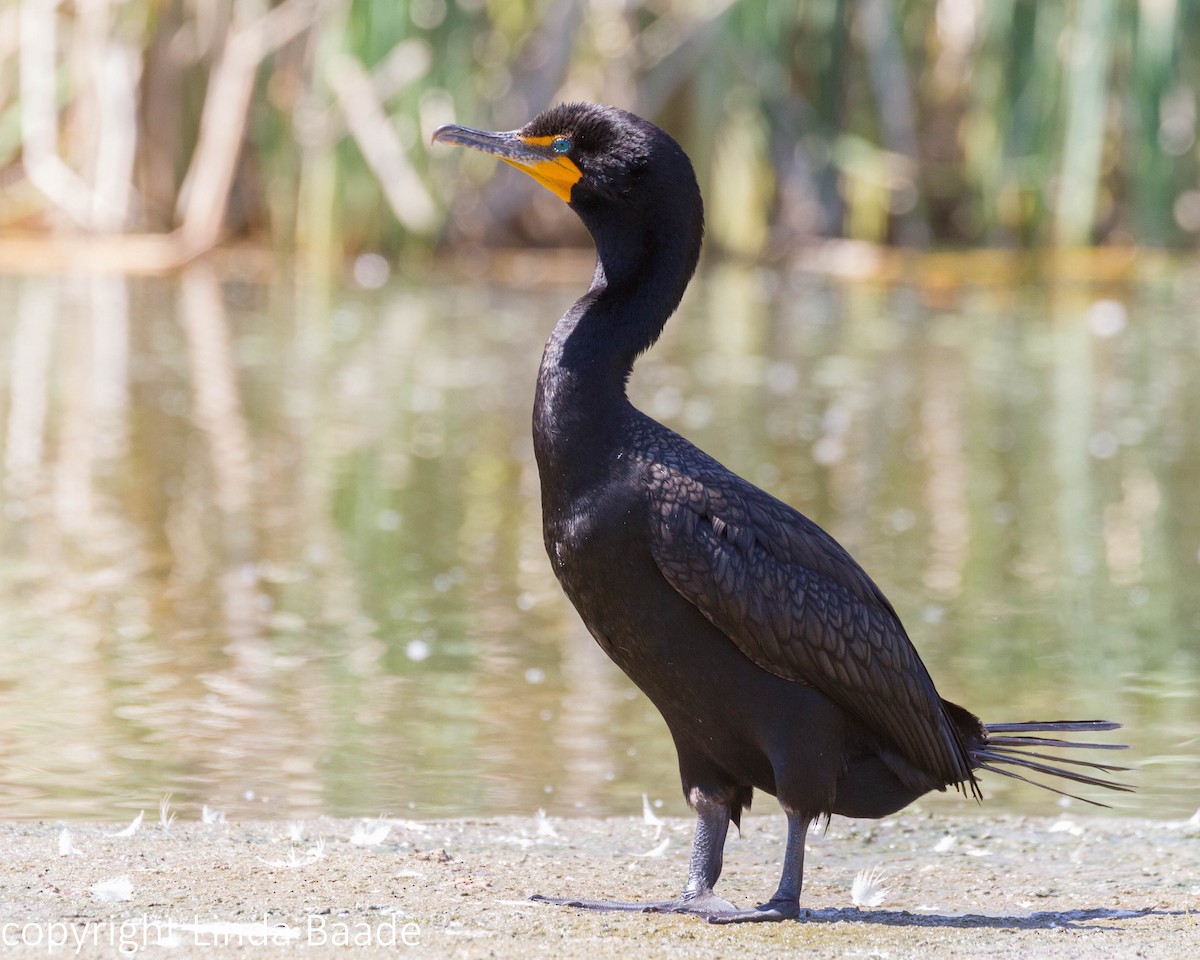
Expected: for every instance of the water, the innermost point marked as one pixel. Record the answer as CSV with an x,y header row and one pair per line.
x,y
276,548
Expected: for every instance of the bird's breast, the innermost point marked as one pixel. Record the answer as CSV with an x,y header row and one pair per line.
x,y
588,529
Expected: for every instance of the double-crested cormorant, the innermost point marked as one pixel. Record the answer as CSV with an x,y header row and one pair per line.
x,y
775,660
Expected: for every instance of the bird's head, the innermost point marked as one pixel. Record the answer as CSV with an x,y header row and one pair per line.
x,y
630,183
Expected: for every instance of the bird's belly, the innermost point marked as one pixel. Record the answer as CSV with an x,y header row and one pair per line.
x,y
652,633
722,710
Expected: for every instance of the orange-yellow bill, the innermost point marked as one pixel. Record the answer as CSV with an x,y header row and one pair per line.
x,y
532,155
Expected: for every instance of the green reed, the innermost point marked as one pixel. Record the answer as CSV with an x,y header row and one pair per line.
x,y
914,122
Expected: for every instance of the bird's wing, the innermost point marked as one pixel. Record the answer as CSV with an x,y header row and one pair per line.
x,y
797,605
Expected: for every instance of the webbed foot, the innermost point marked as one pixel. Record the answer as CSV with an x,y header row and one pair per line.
x,y
702,904
773,911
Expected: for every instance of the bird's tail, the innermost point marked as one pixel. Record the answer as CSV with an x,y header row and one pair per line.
x,y
1021,745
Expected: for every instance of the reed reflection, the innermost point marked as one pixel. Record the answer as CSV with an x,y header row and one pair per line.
x,y
276,548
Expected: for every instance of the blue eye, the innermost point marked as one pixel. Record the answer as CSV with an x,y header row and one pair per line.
x,y
561,145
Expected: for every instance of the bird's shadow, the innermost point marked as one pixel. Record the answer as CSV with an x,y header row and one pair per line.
x,y
1043,920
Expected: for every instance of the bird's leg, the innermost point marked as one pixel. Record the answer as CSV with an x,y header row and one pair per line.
x,y
708,856
785,903
708,847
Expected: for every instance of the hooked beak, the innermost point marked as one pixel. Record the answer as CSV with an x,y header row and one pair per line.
x,y
531,155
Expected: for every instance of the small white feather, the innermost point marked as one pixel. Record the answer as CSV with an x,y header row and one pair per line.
x,y
649,817
210,815
544,827
295,860
130,830
657,851
114,890
868,889
367,835
66,846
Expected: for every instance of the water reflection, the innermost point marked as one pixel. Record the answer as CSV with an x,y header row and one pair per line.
x,y
276,548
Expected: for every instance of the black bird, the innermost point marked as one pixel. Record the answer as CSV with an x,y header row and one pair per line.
x,y
775,660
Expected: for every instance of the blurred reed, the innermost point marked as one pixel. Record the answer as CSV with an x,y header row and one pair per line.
x,y
169,128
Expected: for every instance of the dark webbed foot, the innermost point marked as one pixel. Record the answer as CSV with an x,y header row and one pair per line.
x,y
773,911
785,904
702,904
698,899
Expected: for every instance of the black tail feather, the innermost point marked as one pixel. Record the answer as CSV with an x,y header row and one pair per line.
x,y
1024,751
1030,726
1036,783
1048,742
1107,767
1017,760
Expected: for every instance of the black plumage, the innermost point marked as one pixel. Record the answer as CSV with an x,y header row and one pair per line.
x,y
775,660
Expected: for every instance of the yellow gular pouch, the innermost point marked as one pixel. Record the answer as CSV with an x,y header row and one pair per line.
x,y
557,173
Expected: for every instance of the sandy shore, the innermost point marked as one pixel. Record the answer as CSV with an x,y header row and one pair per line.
x,y
956,887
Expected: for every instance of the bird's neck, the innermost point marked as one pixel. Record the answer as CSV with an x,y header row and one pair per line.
x,y
580,403
581,410
582,415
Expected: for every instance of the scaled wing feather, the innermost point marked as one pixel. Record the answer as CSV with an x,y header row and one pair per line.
x,y
797,605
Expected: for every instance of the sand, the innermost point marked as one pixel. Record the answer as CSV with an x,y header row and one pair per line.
x,y
955,887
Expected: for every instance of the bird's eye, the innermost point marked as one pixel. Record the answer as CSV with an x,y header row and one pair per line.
x,y
561,145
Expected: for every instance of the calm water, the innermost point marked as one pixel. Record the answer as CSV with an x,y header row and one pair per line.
x,y
277,549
